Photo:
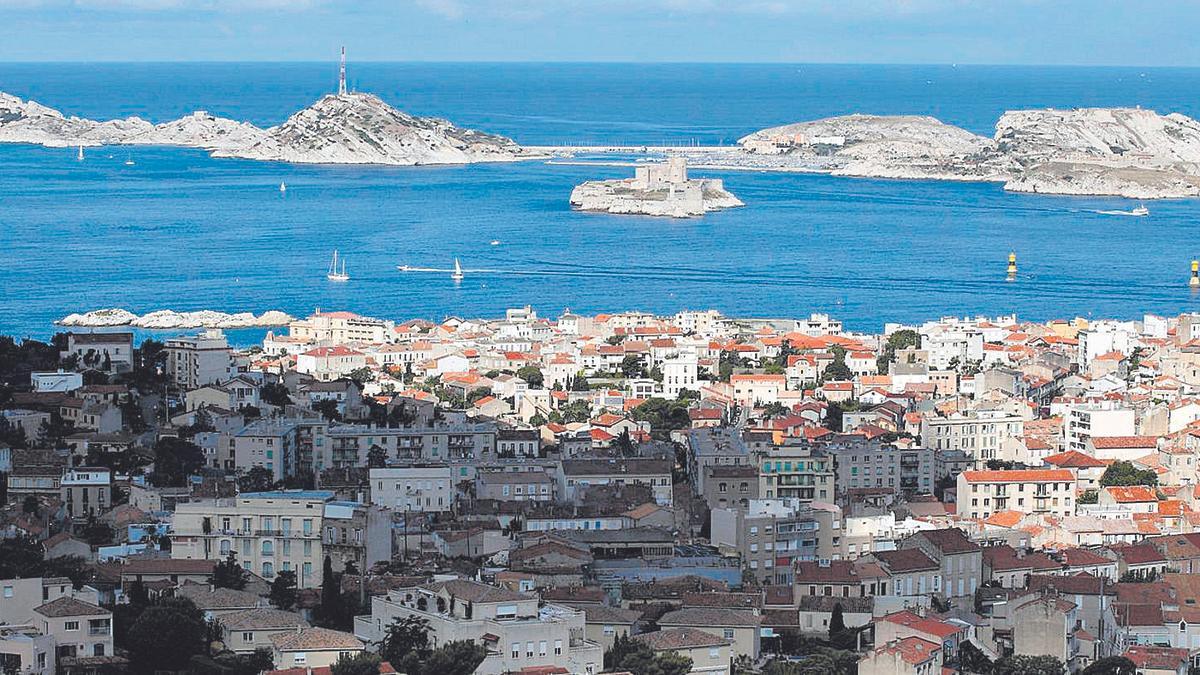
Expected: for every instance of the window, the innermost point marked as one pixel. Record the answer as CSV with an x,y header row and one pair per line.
x,y
728,633
714,652
247,636
558,647
609,630
300,657
516,650
71,625
529,649
542,648
8,591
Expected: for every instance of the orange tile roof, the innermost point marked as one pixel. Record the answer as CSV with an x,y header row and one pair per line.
x,y
1127,494
1019,476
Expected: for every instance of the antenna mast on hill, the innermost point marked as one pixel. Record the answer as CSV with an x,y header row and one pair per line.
x,y
342,75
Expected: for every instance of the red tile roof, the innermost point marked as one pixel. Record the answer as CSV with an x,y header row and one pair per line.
x,y
1019,476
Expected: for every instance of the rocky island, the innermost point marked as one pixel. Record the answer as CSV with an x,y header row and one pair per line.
x,y
166,319
347,128
655,190
1127,152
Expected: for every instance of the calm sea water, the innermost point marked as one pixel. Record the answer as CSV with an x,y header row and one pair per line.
x,y
181,230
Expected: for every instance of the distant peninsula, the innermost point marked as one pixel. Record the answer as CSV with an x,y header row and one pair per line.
x,y
655,190
1127,152
345,128
166,319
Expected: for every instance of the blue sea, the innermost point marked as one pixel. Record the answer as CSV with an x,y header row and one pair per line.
x,y
184,231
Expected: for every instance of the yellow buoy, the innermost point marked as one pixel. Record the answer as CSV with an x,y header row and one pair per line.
x,y
1012,265
1195,282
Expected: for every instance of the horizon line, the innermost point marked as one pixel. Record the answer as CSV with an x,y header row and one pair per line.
x,y
583,62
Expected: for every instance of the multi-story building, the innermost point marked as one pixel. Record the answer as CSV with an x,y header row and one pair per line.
x,y
577,474
348,445
518,632
680,371
80,629
419,489
515,486
340,327
356,535
730,486
709,447
770,534
86,491
1097,419
795,469
273,444
518,443
267,531
1048,491
983,435
197,360
94,350
862,463
960,558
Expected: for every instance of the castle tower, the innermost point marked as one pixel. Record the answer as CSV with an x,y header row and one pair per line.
x,y
342,75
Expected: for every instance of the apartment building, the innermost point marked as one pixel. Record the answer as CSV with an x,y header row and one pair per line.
x,y
79,628
983,435
862,463
518,631
86,491
794,469
1048,491
267,531
340,327
1101,419
769,535
575,475
201,359
349,444
272,444
356,536
419,489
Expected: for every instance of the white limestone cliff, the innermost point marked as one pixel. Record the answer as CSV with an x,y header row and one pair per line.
x,y
168,319
362,129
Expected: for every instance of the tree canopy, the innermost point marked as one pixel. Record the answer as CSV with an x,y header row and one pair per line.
x,y
1124,473
1028,665
174,460
228,573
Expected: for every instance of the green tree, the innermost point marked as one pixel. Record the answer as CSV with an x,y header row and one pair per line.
x,y
1028,665
275,394
632,366
631,655
532,375
228,573
376,457
283,590
30,505
174,460
575,411
176,625
1111,665
1124,473
409,635
1088,497
362,663
838,370
328,409
257,479
460,657
362,375
837,623
972,659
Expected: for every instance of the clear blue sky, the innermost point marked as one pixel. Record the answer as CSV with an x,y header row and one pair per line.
x,y
1095,32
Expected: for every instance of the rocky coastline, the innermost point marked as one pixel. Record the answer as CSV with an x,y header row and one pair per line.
x,y
348,128
655,190
170,320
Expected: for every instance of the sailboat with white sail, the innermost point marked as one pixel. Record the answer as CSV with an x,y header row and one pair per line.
x,y
458,273
79,157
334,273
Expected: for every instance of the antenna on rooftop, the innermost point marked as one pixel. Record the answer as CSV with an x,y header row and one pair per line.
x,y
342,75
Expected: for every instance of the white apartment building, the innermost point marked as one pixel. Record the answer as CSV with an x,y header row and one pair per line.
x,y
680,372
268,532
1029,491
330,363
518,632
981,434
420,489
1102,337
201,359
1097,419
86,491
340,327
951,340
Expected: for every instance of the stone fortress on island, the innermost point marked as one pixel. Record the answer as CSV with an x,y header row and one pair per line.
x,y
656,190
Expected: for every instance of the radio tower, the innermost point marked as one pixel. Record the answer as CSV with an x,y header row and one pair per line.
x,y
342,75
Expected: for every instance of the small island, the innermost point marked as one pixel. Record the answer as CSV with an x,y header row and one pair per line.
x,y
655,190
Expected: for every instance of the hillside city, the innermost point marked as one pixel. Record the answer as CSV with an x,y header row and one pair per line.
x,y
626,492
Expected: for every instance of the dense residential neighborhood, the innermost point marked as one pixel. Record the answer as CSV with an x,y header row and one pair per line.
x,y
658,495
